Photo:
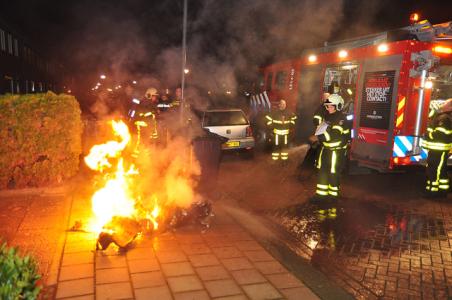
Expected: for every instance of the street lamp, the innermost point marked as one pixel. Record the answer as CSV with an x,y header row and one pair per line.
x,y
103,76
186,71
184,61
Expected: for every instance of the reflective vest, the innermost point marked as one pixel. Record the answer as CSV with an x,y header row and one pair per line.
x,y
439,133
281,121
337,135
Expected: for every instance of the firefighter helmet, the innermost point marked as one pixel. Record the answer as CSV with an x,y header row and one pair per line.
x,y
336,100
151,92
446,106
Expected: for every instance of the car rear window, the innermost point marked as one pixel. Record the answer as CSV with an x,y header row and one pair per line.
x,y
222,118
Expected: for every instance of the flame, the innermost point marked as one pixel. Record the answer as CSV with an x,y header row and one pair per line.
x,y
97,159
115,198
154,213
125,191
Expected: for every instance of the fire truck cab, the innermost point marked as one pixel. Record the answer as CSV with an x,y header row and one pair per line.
x,y
390,81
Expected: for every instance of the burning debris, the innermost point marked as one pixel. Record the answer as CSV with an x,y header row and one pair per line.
x,y
124,207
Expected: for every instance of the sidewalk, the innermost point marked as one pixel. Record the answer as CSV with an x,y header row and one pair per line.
x,y
223,263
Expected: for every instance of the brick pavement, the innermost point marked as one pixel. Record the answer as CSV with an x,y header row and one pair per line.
x,y
223,263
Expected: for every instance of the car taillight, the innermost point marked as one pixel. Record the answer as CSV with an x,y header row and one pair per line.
x,y
249,131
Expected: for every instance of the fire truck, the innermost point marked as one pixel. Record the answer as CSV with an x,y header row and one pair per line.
x,y
390,81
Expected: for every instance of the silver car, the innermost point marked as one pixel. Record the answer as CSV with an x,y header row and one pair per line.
x,y
231,124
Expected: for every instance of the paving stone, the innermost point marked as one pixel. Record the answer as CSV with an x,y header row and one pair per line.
x,y
212,273
227,252
196,295
202,260
223,287
79,247
261,291
270,267
76,272
112,275
196,249
148,279
299,293
153,293
260,255
143,265
248,276
177,269
77,258
110,261
120,290
140,253
77,287
235,297
286,280
87,297
166,245
184,283
233,264
171,256
248,245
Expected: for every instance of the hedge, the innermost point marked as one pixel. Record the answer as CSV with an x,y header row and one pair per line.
x,y
40,138
18,275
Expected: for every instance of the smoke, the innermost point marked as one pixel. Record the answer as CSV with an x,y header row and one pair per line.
x,y
169,172
226,42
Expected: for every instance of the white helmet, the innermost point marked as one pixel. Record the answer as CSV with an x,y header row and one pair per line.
x,y
151,92
335,99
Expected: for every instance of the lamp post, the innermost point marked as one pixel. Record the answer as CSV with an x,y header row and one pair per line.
x,y
184,61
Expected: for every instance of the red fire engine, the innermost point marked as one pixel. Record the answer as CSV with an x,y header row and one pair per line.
x,y
388,80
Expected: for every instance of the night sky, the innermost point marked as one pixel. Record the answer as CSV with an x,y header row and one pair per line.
x,y
142,38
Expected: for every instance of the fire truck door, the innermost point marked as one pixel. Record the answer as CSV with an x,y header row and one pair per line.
x,y
374,113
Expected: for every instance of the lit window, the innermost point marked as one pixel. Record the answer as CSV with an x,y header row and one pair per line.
x,y
10,44
16,47
2,40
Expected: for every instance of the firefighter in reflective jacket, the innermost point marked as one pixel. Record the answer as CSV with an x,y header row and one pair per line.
x,y
143,115
281,122
333,134
438,142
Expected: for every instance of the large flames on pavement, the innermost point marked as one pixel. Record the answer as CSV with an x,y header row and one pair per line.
x,y
142,191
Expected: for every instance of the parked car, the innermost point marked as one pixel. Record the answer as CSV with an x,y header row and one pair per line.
x,y
233,125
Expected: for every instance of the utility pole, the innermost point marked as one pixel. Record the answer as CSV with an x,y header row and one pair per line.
x,y
184,62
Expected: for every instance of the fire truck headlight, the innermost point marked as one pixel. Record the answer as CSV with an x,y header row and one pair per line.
x,y
312,58
428,84
343,54
382,48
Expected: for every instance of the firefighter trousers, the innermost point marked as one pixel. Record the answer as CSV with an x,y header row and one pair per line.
x,y
281,142
437,178
329,164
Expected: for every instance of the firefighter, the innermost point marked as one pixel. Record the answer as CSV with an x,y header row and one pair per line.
x,y
332,134
143,115
281,122
438,142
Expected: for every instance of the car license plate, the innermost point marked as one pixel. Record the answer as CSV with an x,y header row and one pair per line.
x,y
231,144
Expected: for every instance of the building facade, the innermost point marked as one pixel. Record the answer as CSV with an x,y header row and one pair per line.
x,y
23,69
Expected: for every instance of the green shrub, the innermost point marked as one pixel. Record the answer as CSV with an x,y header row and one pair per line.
x,y
40,138
18,275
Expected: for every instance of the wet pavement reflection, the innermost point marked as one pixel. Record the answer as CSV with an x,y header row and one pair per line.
x,y
377,250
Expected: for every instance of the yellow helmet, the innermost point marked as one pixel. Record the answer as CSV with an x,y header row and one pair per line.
x,y
151,92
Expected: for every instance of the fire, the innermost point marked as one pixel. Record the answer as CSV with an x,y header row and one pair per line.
x,y
98,156
155,213
116,197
